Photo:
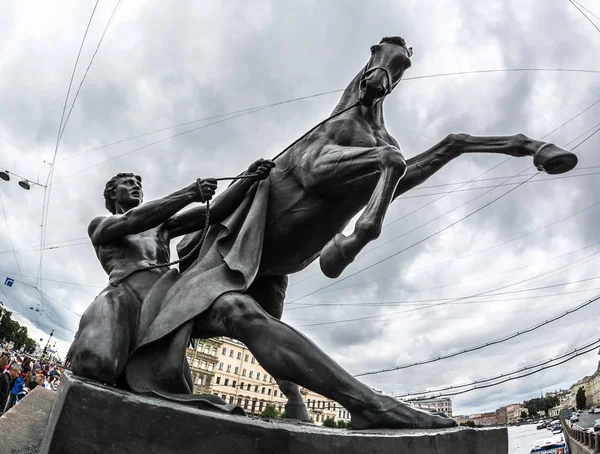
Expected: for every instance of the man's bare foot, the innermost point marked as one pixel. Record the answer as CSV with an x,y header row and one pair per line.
x,y
397,415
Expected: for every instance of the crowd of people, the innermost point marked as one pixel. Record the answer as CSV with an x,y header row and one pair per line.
x,y
21,374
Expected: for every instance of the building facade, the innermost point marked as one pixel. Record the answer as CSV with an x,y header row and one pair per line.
x,y
485,419
442,404
226,368
202,356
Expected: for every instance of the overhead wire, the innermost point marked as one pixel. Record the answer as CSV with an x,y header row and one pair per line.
x,y
475,388
485,345
22,148
48,188
474,180
112,16
510,271
252,110
539,363
584,15
587,10
492,292
431,235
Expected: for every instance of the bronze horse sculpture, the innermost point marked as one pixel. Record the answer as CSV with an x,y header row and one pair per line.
x,y
347,164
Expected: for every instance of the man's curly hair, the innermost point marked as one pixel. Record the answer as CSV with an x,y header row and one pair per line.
x,y
110,187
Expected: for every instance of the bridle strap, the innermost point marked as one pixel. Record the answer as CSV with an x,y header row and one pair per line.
x,y
390,85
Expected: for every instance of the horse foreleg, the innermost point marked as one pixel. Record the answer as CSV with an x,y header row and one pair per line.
x,y
546,156
346,162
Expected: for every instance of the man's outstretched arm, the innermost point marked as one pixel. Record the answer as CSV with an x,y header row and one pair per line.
x,y
104,230
225,203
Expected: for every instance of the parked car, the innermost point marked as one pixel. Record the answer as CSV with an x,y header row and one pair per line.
x,y
574,418
597,425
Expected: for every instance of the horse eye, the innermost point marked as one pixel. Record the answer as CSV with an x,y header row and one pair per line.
x,y
374,49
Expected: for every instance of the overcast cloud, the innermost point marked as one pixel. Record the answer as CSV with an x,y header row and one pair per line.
x,y
162,64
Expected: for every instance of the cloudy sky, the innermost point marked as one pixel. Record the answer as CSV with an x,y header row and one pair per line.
x,y
163,64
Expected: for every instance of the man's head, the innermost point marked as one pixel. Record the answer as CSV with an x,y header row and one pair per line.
x,y
14,370
123,191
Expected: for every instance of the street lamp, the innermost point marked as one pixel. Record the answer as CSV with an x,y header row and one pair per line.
x,y
25,184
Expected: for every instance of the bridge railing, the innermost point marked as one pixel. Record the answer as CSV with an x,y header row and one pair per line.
x,y
585,438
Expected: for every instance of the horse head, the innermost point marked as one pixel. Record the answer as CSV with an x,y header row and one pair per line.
x,y
389,59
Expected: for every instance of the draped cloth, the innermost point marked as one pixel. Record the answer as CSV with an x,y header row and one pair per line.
x,y
227,262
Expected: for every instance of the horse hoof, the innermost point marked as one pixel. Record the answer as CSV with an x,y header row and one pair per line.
x,y
554,160
297,412
333,261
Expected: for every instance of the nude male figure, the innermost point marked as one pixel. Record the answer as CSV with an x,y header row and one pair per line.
x,y
138,235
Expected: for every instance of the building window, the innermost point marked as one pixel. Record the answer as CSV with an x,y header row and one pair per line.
x,y
228,367
268,391
211,367
199,348
214,351
248,387
195,363
258,375
256,389
237,371
226,382
246,358
199,380
224,397
224,351
207,349
270,379
260,406
246,404
239,355
264,377
243,372
253,360
231,399
189,360
250,373
233,383
220,366
203,365
262,390
242,385
218,380
231,353
275,393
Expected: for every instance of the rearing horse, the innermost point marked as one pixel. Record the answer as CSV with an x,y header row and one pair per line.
x,y
352,162
347,164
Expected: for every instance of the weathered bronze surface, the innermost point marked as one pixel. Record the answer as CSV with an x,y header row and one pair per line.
x,y
236,286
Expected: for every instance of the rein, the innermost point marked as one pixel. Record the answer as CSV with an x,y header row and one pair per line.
x,y
116,282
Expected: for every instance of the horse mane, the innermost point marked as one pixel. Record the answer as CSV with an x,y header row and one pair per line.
x,y
398,41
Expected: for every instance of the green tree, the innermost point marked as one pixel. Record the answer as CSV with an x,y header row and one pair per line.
x,y
270,412
12,331
468,423
329,422
343,424
524,414
580,398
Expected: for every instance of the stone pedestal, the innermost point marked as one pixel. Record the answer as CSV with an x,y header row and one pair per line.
x,y
87,417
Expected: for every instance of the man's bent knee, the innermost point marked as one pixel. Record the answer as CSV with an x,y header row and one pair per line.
x,y
235,307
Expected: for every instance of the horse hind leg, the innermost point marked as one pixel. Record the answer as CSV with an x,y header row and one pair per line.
x,y
339,252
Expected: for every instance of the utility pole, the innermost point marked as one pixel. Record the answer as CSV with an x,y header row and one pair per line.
x,y
47,343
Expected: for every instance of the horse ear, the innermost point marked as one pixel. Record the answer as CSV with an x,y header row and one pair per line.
x,y
410,51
